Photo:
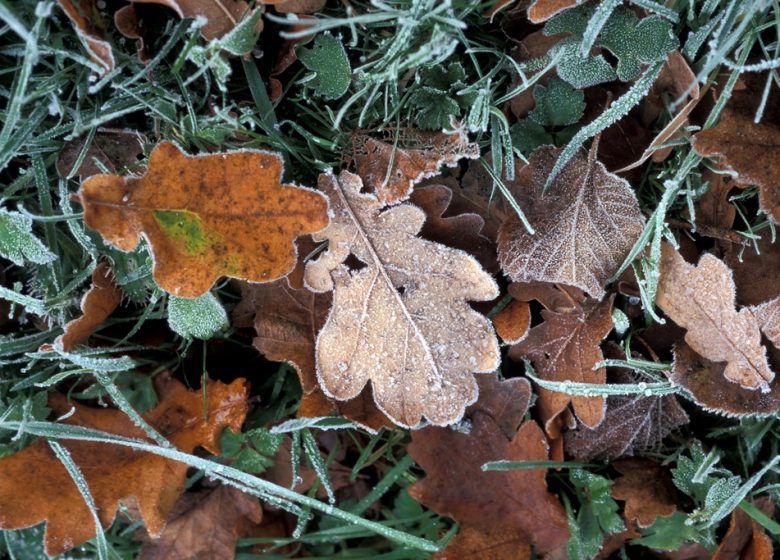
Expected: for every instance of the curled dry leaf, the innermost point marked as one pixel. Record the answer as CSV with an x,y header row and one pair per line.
x,y
206,216
287,321
749,148
701,299
745,538
82,14
114,473
96,306
401,318
115,149
585,225
512,323
501,513
566,347
392,166
542,10
205,524
647,490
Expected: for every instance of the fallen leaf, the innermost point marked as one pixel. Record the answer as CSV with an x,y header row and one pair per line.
x,y
204,524
512,323
585,225
220,16
497,6
96,306
114,473
701,299
714,214
542,10
647,490
768,318
566,347
553,297
287,321
631,423
115,149
501,513
749,148
206,216
400,316
393,165
83,14
746,539
296,6
755,270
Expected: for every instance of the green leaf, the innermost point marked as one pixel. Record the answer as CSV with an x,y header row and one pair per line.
x,y
667,533
243,37
201,317
230,442
578,71
527,136
17,242
328,60
249,460
597,514
435,108
264,441
557,104
439,77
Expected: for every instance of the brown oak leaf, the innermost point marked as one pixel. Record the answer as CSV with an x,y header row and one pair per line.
x,y
83,14
501,513
647,490
206,216
746,538
755,270
513,323
96,306
566,347
115,149
542,10
749,148
204,524
400,316
701,299
392,166
114,473
585,225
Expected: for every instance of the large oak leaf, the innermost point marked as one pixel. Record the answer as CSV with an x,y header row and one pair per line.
x,y
400,317
206,216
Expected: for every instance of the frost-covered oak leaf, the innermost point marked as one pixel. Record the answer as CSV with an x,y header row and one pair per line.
x,y
401,319
206,216
585,225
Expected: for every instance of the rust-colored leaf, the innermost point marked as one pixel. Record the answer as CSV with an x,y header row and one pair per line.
x,y
204,524
746,539
751,149
701,299
647,490
565,347
115,149
83,14
400,316
542,10
585,225
392,166
296,6
96,306
220,16
206,216
501,513
513,322
114,473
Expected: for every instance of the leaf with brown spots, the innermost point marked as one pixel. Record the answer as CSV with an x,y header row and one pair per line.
x,y
746,539
205,524
749,148
647,490
566,347
115,149
502,514
392,166
96,306
287,321
206,216
542,10
585,225
85,17
400,316
701,299
114,473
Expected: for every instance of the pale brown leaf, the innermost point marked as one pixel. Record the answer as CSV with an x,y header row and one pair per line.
x,y
401,319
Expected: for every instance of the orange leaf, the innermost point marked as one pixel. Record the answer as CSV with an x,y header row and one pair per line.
x,y
501,513
206,216
513,322
647,489
542,10
81,14
114,473
97,305
221,16
746,539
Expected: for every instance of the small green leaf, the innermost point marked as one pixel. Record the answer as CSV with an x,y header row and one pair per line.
x,y
264,441
201,317
17,242
439,77
557,104
527,136
667,533
328,60
597,514
249,460
243,37
435,108
578,71
230,442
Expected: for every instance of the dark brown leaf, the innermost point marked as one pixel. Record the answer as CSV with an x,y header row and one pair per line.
x,y
647,490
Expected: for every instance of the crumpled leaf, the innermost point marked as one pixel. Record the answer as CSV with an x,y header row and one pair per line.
x,y
647,490
746,538
328,60
501,513
751,149
201,318
392,166
115,149
206,216
205,524
18,244
585,225
542,10
566,347
96,306
701,299
84,15
401,319
114,473
287,321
